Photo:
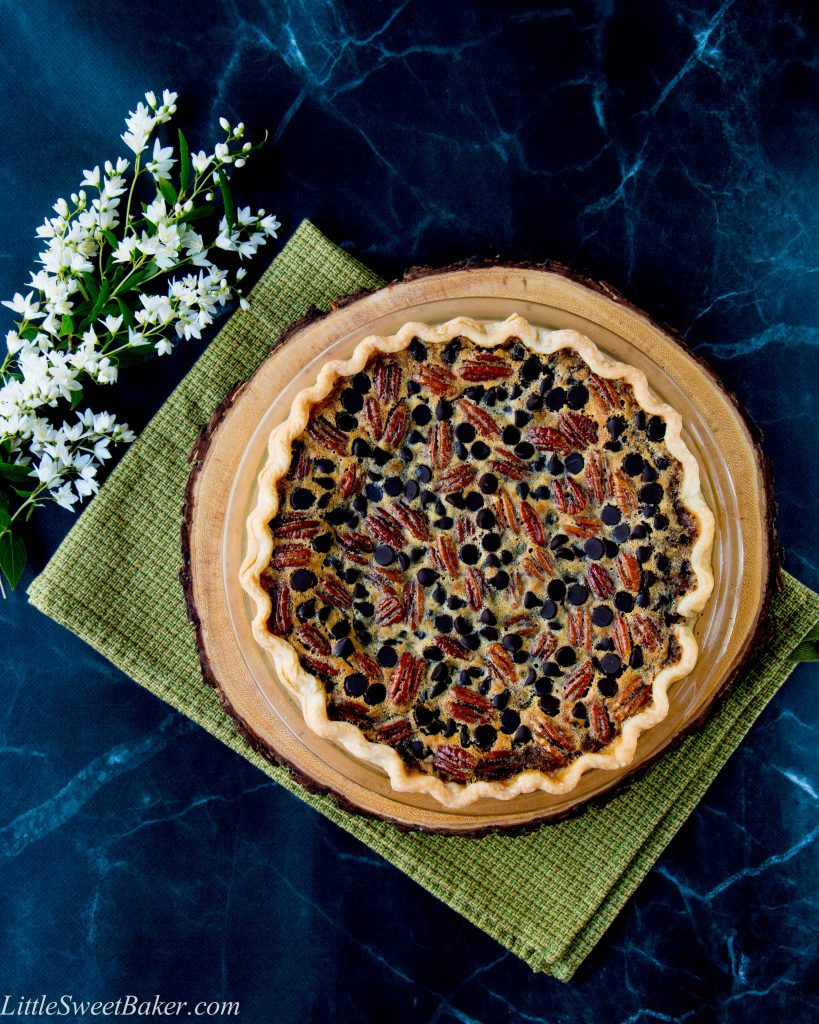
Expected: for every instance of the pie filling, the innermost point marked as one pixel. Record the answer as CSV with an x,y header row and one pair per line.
x,y
480,553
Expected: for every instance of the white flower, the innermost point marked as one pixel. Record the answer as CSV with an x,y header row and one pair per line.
x,y
156,211
224,124
162,161
27,309
13,342
151,99
64,496
222,152
270,225
140,124
241,273
92,178
163,347
112,323
124,252
47,470
200,161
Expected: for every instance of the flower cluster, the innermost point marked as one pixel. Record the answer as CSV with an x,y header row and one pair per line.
x,y
127,270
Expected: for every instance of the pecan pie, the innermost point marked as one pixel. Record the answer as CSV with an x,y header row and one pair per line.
x,y
477,555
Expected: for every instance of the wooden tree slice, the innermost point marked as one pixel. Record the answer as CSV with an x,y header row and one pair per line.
x,y
222,491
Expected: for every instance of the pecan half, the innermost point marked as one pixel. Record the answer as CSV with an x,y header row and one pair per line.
x,y
604,393
313,638
374,418
470,707
324,433
480,419
454,763
349,711
414,603
583,526
505,511
475,588
414,521
599,724
289,556
509,465
599,581
628,569
333,592
484,367
281,615
497,764
464,527
646,631
395,429
386,529
393,732
545,645
547,439
367,665
405,679
455,479
568,496
545,731
622,493
303,464
448,554
539,564
389,610
387,379
291,526
533,524
318,668
357,546
516,589
500,664
632,695
621,636
578,429
596,476
576,684
579,628
439,444
350,481
437,379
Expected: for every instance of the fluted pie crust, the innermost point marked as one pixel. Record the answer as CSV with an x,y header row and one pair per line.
x,y
312,693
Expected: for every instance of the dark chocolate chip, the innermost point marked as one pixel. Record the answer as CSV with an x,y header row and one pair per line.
x,y
510,436
384,554
500,581
556,399
602,615
578,594
322,543
490,542
656,428
465,432
355,684
565,656
361,449
556,590
346,421
302,499
421,415
343,648
550,705
531,369
470,554
549,610
530,600
362,383
443,410
554,465
451,352
574,463
443,623
411,490
615,426
375,694
621,533
660,522
636,659
524,450
610,664
426,577
577,396
474,501
302,579
306,610
663,562
417,350
393,486
485,737
522,736
488,483
424,474
352,400
651,494
623,601
594,548
633,464
509,721
480,450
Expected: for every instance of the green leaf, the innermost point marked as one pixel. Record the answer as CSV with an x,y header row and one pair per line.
x,y
185,166
200,212
4,501
15,474
227,199
167,190
91,285
111,239
12,557
127,314
67,326
76,397
5,519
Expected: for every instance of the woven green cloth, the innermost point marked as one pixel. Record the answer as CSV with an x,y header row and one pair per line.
x,y
548,896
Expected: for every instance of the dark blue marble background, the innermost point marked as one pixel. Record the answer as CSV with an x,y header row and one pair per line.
x,y
670,148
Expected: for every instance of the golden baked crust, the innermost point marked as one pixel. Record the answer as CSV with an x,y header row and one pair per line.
x,y
484,675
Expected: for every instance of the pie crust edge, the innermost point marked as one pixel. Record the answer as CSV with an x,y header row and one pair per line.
x,y
310,692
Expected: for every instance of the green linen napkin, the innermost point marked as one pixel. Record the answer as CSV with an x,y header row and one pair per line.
x,y
548,896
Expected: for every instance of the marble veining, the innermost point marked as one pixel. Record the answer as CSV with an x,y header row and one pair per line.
x,y
667,148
